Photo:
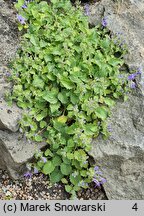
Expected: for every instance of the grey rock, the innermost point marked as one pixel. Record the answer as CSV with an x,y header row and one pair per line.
x,y
9,116
15,152
8,33
121,157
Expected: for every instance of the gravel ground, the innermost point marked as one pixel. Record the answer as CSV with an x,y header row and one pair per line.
x,y
39,188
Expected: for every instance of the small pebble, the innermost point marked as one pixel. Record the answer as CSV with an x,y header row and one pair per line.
x,y
39,188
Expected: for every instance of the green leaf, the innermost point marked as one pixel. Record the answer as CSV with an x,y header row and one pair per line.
x,y
115,61
38,82
67,83
68,188
62,119
38,138
19,4
70,143
66,160
55,107
109,102
70,107
56,160
47,59
33,40
43,124
59,126
48,167
64,181
56,175
62,97
83,173
56,145
75,179
40,164
50,96
80,155
66,169
74,98
101,113
90,129
42,115
54,1
70,155
71,129
56,52
48,153
33,126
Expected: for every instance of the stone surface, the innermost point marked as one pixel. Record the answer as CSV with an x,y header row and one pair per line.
x,y
15,151
121,157
9,116
8,33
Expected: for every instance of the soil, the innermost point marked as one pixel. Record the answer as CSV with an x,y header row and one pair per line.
x,y
39,188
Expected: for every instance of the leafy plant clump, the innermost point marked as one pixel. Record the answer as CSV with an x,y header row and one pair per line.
x,y
66,77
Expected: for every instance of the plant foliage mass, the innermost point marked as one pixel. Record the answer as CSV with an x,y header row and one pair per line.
x,y
66,78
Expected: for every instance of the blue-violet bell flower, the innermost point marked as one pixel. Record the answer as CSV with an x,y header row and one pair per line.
x,y
133,85
86,7
24,6
139,71
131,76
96,168
103,180
104,22
28,174
97,183
21,19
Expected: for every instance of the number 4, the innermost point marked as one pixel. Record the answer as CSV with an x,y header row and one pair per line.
x,y
135,207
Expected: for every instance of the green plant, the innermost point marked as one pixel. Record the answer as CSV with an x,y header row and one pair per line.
x,y
66,77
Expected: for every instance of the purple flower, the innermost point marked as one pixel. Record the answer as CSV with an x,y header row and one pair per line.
x,y
21,19
97,183
104,22
44,159
28,174
103,180
24,6
96,168
133,85
82,184
36,170
139,71
8,74
109,128
86,7
99,172
132,76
